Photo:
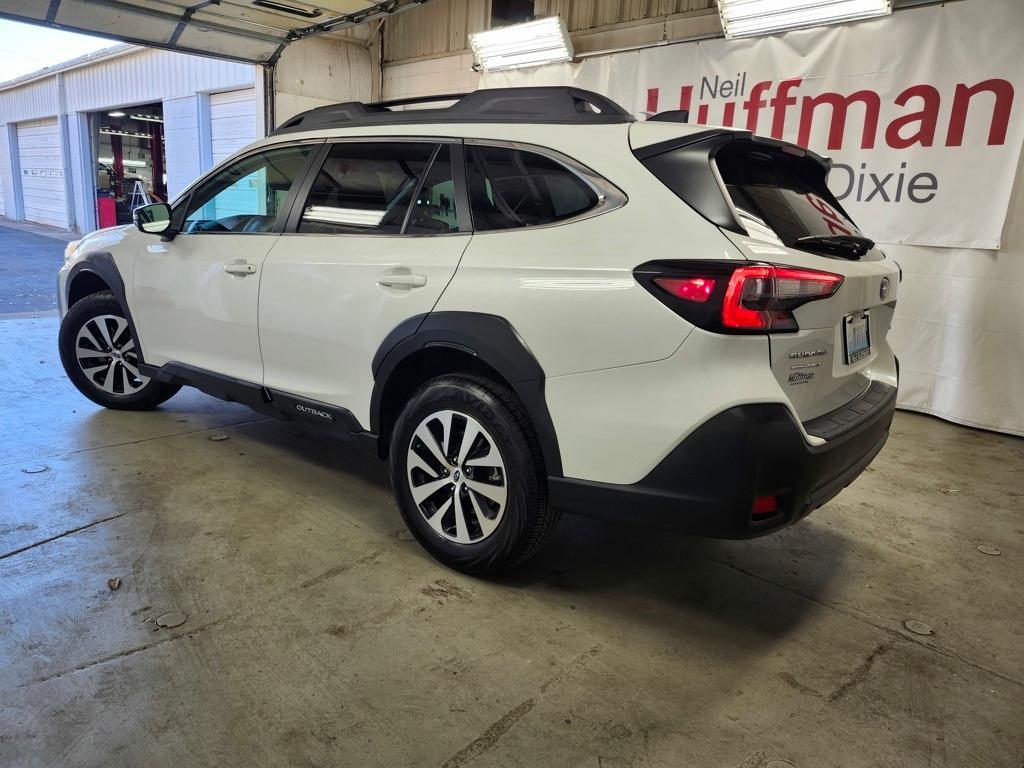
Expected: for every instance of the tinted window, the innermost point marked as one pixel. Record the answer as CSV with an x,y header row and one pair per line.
x,y
434,210
782,192
512,188
366,188
247,196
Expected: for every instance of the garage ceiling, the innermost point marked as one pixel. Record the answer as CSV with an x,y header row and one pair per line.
x,y
254,31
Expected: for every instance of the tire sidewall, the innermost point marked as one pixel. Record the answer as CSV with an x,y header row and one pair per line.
x,y
78,315
467,397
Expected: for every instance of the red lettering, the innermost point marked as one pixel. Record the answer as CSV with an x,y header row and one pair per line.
x,y
926,118
652,101
840,105
1000,111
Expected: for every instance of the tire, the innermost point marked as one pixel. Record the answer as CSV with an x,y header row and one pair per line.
x,y
498,482
109,377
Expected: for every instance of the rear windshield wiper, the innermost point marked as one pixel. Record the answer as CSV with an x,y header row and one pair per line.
x,y
847,246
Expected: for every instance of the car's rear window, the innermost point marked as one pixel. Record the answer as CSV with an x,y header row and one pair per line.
x,y
784,193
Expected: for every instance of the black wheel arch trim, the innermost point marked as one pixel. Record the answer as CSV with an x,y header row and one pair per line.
x,y
102,265
489,338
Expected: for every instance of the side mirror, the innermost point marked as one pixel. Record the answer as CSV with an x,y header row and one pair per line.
x,y
154,219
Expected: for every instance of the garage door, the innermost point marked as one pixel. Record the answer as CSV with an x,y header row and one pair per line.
x,y
232,121
42,172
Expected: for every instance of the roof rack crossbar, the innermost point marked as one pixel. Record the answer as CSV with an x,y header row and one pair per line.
x,y
543,104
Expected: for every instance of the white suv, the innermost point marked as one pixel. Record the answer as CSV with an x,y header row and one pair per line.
x,y
526,301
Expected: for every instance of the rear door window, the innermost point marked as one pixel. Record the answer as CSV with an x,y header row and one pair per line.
x,y
367,188
782,194
511,188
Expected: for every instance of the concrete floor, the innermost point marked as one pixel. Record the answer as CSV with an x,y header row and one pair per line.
x,y
317,635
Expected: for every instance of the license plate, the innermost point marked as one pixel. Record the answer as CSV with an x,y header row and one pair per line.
x,y
858,337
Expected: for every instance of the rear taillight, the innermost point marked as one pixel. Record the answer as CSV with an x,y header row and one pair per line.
x,y
736,298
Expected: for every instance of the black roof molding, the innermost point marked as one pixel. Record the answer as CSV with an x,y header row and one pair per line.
x,y
548,104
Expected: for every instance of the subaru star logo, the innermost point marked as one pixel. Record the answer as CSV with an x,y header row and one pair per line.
x,y
884,288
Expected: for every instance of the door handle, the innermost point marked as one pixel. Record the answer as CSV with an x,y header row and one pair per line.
x,y
402,281
240,268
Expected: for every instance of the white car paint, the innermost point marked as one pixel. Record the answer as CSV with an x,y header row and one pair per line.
x,y
626,378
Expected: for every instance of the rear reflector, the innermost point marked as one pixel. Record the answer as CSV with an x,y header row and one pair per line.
x,y
765,505
690,288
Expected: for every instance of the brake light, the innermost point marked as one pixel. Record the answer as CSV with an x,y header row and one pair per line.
x,y
763,297
731,297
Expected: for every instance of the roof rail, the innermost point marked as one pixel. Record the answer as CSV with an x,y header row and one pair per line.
x,y
547,104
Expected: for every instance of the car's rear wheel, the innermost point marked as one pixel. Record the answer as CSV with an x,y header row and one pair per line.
x,y
469,476
100,356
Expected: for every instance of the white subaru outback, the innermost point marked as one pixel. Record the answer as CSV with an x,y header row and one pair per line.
x,y
525,301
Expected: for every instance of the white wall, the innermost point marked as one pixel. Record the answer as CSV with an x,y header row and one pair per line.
x,y
427,77
317,71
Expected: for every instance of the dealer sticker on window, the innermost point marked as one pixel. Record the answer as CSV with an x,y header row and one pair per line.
x,y
858,337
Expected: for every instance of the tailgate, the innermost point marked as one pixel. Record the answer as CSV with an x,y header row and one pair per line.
x,y
816,366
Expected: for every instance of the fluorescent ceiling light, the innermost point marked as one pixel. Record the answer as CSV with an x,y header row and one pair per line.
x,y
116,113
543,41
125,163
131,134
743,18
358,217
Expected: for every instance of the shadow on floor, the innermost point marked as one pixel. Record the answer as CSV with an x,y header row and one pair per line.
x,y
654,575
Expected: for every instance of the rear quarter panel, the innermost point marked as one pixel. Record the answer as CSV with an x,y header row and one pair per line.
x,y
568,289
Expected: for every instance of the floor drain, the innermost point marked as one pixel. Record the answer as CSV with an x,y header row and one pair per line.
x,y
218,438
35,469
988,549
917,627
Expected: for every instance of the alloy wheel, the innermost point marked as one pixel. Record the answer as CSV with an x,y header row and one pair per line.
x,y
456,475
107,355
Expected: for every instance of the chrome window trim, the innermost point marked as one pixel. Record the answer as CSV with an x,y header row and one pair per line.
x,y
609,196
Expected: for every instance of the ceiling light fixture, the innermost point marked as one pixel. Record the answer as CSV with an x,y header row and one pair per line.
x,y
148,118
544,41
745,18
115,113
273,5
130,134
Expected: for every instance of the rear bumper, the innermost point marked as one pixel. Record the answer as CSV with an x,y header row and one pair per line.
x,y
708,483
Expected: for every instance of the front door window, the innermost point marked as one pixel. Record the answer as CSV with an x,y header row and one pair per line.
x,y
248,196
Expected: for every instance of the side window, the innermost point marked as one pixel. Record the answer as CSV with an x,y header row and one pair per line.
x,y
434,211
247,196
367,188
514,188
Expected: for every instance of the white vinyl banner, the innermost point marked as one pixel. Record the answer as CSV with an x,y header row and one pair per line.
x,y
919,110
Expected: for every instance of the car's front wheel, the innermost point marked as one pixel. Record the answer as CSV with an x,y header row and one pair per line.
x,y
101,356
469,476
